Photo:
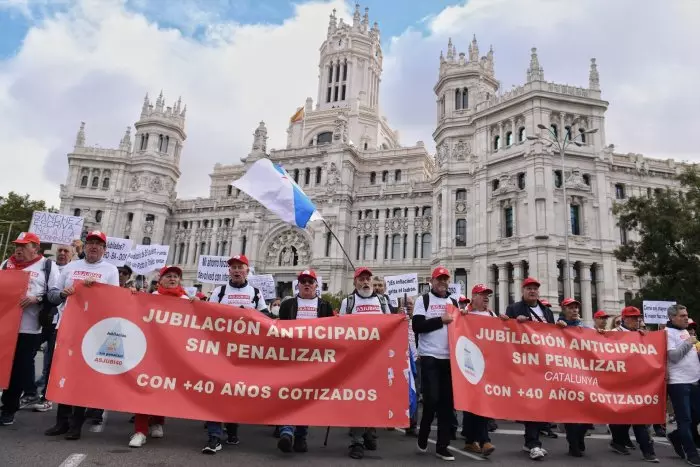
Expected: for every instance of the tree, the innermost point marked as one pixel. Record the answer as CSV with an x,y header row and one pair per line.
x,y
667,253
16,210
333,299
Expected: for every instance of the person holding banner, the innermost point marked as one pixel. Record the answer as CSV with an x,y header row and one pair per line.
x,y
430,320
306,305
238,292
169,281
93,268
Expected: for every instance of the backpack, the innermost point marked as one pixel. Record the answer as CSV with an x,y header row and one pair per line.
x,y
350,304
47,310
256,296
426,301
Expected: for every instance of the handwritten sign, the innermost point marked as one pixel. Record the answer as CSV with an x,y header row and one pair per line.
x,y
212,269
455,290
656,312
398,286
118,250
148,258
56,228
265,283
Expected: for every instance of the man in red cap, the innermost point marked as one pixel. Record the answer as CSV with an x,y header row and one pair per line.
x,y
631,320
430,321
530,308
92,268
363,300
463,302
41,292
600,320
237,293
306,305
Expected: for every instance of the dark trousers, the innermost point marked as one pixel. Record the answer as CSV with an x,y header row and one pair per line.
x,y
22,375
70,415
576,435
50,337
475,428
621,435
532,434
685,399
436,380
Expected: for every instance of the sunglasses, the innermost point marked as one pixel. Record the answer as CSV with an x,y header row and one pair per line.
x,y
307,281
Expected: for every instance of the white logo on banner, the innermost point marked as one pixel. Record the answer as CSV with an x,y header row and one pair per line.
x,y
114,346
56,228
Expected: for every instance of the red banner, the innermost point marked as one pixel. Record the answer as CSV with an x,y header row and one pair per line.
x,y
168,356
540,372
13,286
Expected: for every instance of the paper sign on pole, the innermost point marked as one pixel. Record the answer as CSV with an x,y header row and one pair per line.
x,y
56,228
295,286
404,284
265,283
118,250
212,269
455,290
148,258
656,312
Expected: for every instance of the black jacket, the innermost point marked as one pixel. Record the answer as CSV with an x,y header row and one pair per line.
x,y
522,309
288,308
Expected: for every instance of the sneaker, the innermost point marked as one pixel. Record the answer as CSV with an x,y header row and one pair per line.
x,y
57,430
695,461
487,449
474,448
630,445
73,433
675,438
157,431
370,443
213,446
300,445
620,449
285,443
357,451
232,440
137,440
444,454
535,453
29,402
650,457
7,419
43,406
97,426
422,447
575,452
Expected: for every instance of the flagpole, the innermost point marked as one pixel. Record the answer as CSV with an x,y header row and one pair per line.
x,y
339,244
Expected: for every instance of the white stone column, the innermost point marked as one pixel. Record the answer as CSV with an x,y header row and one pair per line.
x,y
517,277
500,135
586,311
502,288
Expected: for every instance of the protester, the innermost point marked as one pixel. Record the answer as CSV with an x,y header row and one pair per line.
x,y
379,286
692,327
78,250
615,322
237,293
475,428
631,320
531,309
413,350
125,273
430,320
42,291
683,377
463,302
363,301
275,307
306,305
93,268
600,320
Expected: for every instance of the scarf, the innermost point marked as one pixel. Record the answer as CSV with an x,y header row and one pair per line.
x,y
571,322
12,263
173,292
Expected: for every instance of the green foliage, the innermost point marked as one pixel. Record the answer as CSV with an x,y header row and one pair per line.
x,y
18,210
667,253
333,299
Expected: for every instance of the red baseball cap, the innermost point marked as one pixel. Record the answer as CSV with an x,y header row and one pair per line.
x,y
630,311
570,301
601,314
307,273
97,234
463,299
545,302
531,281
200,296
166,269
440,271
238,259
691,323
26,237
481,288
362,270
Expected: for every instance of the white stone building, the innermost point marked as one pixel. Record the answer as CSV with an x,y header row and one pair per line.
x,y
489,205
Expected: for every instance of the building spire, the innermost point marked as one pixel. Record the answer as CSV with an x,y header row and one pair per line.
x,y
125,143
474,50
593,77
160,102
365,20
535,72
450,52
356,18
332,25
80,137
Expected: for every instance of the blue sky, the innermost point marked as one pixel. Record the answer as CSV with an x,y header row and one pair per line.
x,y
63,62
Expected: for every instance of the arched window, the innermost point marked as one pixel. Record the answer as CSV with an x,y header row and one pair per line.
x,y
372,178
146,241
206,223
458,99
105,183
244,244
229,190
509,138
324,138
465,98
560,280
521,180
582,135
461,195
496,142
461,232
521,134
76,212
385,176
95,182
553,127
426,245
396,246
307,176
628,298
144,142
568,133
98,216
84,181
397,175
181,252
150,218
396,212
296,175
318,175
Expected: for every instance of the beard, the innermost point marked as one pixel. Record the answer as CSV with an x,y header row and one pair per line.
x,y
365,293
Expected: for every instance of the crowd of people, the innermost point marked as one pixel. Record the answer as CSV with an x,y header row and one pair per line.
x,y
52,283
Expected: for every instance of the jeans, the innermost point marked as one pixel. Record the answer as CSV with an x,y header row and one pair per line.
x,y
22,375
475,428
685,399
299,431
217,429
436,379
621,436
532,434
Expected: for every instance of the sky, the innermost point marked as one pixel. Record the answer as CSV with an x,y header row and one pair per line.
x,y
237,62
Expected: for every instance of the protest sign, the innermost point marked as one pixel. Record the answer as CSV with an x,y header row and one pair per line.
x,y
455,290
540,372
13,286
148,258
265,283
295,286
118,250
404,284
656,312
56,228
212,269
205,361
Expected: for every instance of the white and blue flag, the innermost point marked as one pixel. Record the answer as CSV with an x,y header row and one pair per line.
x,y
270,185
412,394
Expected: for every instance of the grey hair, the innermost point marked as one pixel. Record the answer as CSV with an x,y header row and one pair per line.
x,y
674,309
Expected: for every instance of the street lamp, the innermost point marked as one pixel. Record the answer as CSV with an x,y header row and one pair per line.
x,y
552,139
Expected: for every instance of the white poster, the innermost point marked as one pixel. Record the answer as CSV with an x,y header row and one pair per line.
x,y
295,286
148,258
656,312
455,291
56,228
118,250
265,283
398,286
212,269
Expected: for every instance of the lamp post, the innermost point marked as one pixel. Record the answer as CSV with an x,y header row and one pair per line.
x,y
552,139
